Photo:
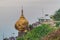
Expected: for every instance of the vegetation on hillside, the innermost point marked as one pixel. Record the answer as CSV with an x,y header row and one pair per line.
x,y
53,36
57,24
56,16
38,33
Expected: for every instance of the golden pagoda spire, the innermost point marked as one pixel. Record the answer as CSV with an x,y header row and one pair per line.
x,y
22,11
22,23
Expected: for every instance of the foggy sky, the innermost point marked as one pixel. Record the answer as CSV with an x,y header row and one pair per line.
x,y
10,11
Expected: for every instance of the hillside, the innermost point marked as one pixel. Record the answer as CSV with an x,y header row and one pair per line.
x,y
38,33
53,36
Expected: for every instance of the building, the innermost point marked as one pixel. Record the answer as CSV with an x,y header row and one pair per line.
x,y
45,18
42,19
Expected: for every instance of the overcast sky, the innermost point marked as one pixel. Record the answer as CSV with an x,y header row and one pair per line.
x,y
10,11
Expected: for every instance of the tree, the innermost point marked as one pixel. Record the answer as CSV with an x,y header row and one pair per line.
x,y
57,24
56,16
31,27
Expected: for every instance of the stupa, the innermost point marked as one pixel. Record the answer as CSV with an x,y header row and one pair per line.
x,y
22,24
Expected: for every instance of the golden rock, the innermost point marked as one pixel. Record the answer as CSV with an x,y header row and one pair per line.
x,y
22,23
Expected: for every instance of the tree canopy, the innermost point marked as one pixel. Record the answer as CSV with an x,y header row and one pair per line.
x,y
56,16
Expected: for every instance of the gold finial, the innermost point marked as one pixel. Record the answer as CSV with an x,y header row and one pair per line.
x,y
22,11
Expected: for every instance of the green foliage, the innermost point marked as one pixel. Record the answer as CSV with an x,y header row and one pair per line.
x,y
37,33
56,16
20,38
57,24
31,27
